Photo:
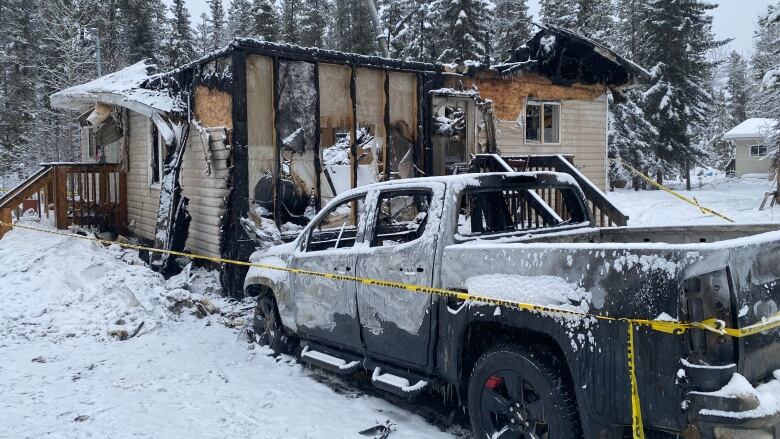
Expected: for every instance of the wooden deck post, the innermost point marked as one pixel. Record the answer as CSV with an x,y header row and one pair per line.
x,y
60,198
122,200
5,218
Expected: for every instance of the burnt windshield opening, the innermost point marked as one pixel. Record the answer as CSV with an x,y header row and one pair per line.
x,y
518,209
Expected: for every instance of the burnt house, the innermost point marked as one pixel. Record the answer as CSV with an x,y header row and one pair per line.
x,y
260,132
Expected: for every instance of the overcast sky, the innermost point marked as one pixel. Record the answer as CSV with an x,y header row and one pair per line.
x,y
733,18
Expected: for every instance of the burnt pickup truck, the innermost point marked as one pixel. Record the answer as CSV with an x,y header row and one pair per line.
x,y
528,237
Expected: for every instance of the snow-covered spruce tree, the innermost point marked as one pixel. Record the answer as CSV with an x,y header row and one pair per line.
x,y
18,94
314,22
511,27
679,36
720,121
202,37
67,57
240,21
737,86
561,13
769,61
217,22
143,24
630,136
289,21
595,19
464,28
352,29
266,20
629,30
107,17
410,30
180,44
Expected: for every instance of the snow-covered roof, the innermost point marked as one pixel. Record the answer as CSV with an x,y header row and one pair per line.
x,y
124,88
754,128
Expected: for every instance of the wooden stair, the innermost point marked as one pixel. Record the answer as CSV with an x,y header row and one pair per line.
x,y
603,212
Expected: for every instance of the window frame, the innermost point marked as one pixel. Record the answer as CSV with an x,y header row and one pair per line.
x,y
359,235
541,105
161,146
759,146
371,227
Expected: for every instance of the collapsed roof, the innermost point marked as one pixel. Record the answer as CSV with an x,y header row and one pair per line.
x,y
567,57
125,88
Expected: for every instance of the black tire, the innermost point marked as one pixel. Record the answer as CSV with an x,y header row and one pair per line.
x,y
268,327
518,392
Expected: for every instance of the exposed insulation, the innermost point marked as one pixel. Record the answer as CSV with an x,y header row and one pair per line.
x,y
213,108
509,93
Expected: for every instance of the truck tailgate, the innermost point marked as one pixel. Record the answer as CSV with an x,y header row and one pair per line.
x,y
755,277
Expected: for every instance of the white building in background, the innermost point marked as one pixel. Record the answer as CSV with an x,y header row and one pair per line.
x,y
752,146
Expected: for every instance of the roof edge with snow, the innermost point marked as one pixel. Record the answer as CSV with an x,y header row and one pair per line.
x,y
754,128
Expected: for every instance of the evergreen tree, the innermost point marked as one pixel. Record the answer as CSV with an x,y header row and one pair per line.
x,y
630,134
352,29
511,27
180,46
290,13
595,19
313,22
217,22
144,24
721,120
737,87
629,31
265,20
464,25
679,36
202,36
561,13
410,29
767,65
240,19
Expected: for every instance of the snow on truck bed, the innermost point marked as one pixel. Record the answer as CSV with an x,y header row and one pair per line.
x,y
62,375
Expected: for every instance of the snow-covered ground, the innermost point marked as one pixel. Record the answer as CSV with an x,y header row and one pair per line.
x,y
737,198
62,375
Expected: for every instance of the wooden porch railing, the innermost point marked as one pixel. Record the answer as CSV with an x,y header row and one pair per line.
x,y
84,194
603,212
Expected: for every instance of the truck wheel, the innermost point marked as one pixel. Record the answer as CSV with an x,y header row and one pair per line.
x,y
516,392
268,327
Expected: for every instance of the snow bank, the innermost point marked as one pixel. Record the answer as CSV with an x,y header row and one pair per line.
x,y
62,376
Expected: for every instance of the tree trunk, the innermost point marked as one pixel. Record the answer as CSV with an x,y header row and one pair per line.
x,y
659,177
687,176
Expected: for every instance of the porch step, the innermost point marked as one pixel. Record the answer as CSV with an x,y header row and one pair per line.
x,y
329,362
397,385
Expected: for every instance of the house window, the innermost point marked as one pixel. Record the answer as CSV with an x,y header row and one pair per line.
x,y
543,122
156,156
758,150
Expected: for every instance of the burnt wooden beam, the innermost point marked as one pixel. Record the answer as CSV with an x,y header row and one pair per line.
x,y
386,170
353,128
235,244
317,137
278,150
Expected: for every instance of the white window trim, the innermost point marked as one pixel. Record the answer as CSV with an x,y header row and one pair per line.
x,y
160,155
750,150
541,133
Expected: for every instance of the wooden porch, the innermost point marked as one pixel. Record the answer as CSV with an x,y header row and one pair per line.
x,y
82,194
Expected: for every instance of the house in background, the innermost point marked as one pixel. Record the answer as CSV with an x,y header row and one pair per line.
x,y
261,131
752,146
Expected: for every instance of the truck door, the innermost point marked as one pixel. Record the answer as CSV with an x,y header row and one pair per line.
x,y
396,324
326,309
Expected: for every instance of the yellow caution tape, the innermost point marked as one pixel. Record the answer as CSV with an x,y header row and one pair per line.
x,y
668,327
693,202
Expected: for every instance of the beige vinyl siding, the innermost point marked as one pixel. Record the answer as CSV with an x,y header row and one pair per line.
x,y
206,193
142,200
747,164
583,135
